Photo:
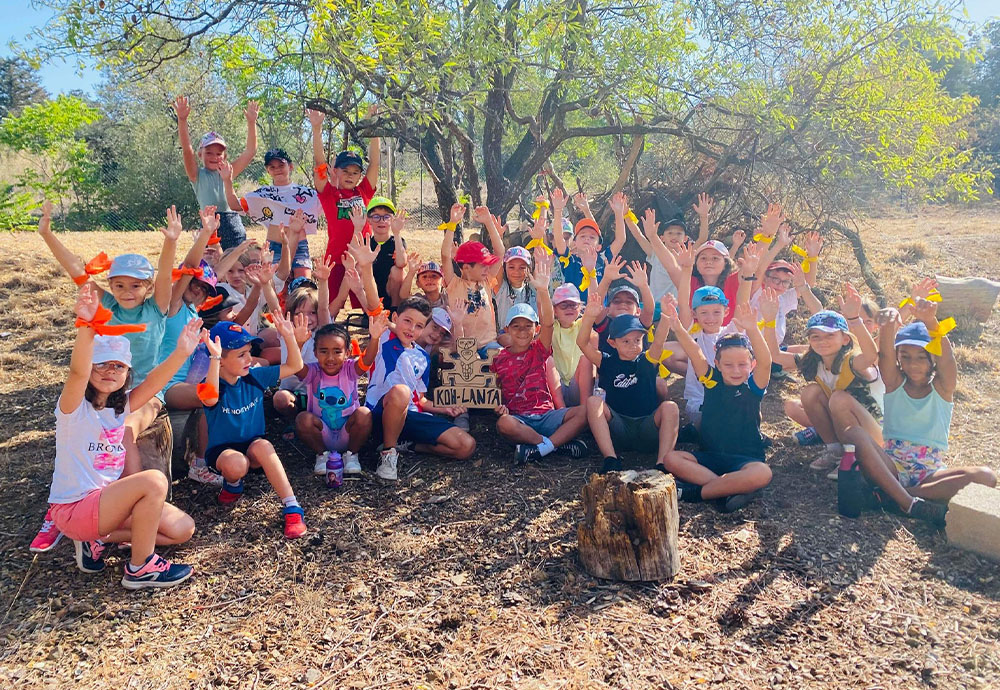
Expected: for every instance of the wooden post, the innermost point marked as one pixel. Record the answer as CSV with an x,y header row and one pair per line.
x,y
156,446
629,529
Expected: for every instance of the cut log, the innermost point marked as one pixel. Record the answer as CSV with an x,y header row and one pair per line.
x,y
629,529
184,425
156,446
974,297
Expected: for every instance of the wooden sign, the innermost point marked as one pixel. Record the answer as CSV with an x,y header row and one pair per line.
x,y
465,379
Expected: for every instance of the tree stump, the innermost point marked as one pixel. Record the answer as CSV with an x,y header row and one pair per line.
x,y
184,425
156,446
974,297
629,529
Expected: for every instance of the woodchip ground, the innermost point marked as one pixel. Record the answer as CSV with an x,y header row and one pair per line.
x,y
465,575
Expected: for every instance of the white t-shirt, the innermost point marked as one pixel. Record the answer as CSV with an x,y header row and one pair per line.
x,y
90,451
290,197
694,390
659,280
788,301
253,323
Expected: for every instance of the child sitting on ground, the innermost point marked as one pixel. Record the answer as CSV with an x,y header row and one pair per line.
x,y
920,373
400,410
528,416
100,493
204,169
334,422
428,277
233,395
730,466
630,415
576,373
388,266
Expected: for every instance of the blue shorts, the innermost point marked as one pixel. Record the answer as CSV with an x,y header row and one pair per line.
x,y
301,258
545,423
723,463
418,427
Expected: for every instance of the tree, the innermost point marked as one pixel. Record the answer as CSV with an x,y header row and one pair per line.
x,y
19,86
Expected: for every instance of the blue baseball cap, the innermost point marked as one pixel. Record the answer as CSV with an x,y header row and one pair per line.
x,y
521,311
301,282
624,324
913,334
345,158
232,335
708,294
615,291
131,266
827,321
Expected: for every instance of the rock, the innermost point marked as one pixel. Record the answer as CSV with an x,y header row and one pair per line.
x,y
973,520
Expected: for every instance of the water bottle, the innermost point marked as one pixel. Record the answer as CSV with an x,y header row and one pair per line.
x,y
600,393
334,470
851,485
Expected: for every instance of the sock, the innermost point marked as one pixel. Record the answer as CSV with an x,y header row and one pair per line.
x,y
199,462
134,569
545,447
236,488
913,503
290,502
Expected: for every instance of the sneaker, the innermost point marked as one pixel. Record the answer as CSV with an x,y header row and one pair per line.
x,y
90,555
295,526
833,474
205,475
829,460
228,498
928,511
352,466
387,460
575,449
731,504
611,464
807,437
525,453
48,536
320,466
156,572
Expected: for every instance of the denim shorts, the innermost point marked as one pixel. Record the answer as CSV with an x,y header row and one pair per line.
x,y
545,423
301,258
231,230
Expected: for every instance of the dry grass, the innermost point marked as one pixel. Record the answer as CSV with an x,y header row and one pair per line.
x,y
466,576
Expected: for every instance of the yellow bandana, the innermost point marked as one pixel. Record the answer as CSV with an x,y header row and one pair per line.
x,y
589,274
564,260
807,261
761,237
944,328
767,324
695,328
539,205
664,372
932,296
707,381
631,216
538,242
448,227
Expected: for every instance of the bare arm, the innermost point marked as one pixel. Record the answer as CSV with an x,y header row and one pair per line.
x,y
161,375
319,153
374,153
80,361
703,207
618,203
696,358
162,282
245,158
767,306
293,362
583,340
232,200
639,236
183,109
540,279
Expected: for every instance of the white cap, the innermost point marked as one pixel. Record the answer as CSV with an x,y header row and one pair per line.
x,y
111,348
441,317
209,139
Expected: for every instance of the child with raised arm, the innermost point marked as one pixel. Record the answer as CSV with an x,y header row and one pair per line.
x,y
204,169
920,373
576,373
843,385
528,416
672,237
587,242
428,276
630,415
341,188
386,226
233,395
396,388
730,467
100,493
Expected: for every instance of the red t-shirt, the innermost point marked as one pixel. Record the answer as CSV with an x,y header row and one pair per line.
x,y
729,289
521,375
337,205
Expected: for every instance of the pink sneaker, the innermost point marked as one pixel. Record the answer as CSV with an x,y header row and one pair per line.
x,y
48,536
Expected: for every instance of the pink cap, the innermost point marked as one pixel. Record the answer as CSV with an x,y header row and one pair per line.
x,y
211,138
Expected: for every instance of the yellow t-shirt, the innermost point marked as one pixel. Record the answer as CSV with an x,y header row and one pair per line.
x,y
565,352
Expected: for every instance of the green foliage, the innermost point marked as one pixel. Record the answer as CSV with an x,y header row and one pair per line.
x,y
16,208
19,86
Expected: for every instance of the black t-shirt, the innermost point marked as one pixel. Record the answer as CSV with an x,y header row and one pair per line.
x,y
629,387
604,346
383,265
730,418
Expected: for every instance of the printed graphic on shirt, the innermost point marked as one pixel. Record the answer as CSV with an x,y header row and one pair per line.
x,y
333,402
477,300
109,451
344,206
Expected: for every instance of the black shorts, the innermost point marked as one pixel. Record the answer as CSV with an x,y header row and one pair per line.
x,y
213,453
723,463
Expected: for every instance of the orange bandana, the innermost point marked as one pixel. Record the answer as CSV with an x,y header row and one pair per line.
x,y
177,273
99,324
207,391
99,264
210,302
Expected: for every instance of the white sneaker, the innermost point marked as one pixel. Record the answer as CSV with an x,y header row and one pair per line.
x,y
830,459
387,465
352,466
203,475
320,466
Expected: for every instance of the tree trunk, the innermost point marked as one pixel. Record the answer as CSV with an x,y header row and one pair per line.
x,y
629,529
156,447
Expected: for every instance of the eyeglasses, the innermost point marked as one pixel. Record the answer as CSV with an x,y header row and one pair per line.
x,y
380,217
779,282
111,366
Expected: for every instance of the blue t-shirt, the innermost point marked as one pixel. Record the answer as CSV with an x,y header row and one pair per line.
x,y
396,364
145,345
172,331
573,271
238,416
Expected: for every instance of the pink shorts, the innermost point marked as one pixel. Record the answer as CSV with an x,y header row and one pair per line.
x,y
79,520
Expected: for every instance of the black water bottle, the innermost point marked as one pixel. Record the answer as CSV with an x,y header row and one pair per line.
x,y
851,485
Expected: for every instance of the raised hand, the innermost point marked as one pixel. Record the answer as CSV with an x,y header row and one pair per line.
x,y
362,252
87,301
413,261
798,277
588,257
595,303
482,215
284,325
316,117
537,231
923,288
739,237
887,316
397,222
925,311
353,279
581,202
558,198
639,276
668,310
649,225
174,227
214,347
748,263
745,318
613,269
813,243
704,205
458,309
300,327
358,219
784,235
378,325
251,112
265,274
226,170
767,304
686,256
618,202
209,221
190,336
321,271
182,108
45,222
850,302
771,220
542,275
348,260
457,213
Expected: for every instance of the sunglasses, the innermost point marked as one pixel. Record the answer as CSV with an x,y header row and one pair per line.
x,y
380,217
111,366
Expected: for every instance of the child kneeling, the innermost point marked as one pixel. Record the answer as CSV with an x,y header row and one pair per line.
x,y
233,395
730,465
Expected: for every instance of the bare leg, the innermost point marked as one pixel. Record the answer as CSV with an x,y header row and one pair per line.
x,y
795,412
585,379
176,527
454,443
232,465
394,407
140,497
393,284
598,416
677,362
877,466
309,429
262,454
846,411
750,477
183,396
817,407
554,383
516,431
667,418
359,428
284,404
944,484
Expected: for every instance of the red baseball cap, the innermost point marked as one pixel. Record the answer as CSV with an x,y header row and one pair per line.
x,y
475,253
781,266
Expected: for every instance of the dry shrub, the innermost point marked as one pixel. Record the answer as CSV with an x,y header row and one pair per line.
x,y
974,359
910,252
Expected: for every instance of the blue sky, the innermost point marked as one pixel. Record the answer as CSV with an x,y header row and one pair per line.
x,y
20,17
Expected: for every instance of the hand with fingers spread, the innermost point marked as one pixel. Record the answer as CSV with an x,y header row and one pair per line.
x,y
209,219
784,235
749,262
413,261
649,225
87,301
614,269
542,274
639,276
923,289
686,257
618,202
214,346
771,220
226,171
358,219
767,304
595,304
190,336
283,324
183,109
668,311
397,222
316,117
457,309
353,279
252,112
378,325
850,302
362,252
300,327
174,227
457,213
347,259
813,244
704,205
558,199
588,256
322,270
889,316
745,318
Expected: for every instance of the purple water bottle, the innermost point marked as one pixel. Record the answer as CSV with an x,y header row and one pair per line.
x,y
334,470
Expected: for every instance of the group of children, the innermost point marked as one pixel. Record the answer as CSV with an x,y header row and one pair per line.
x,y
578,339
